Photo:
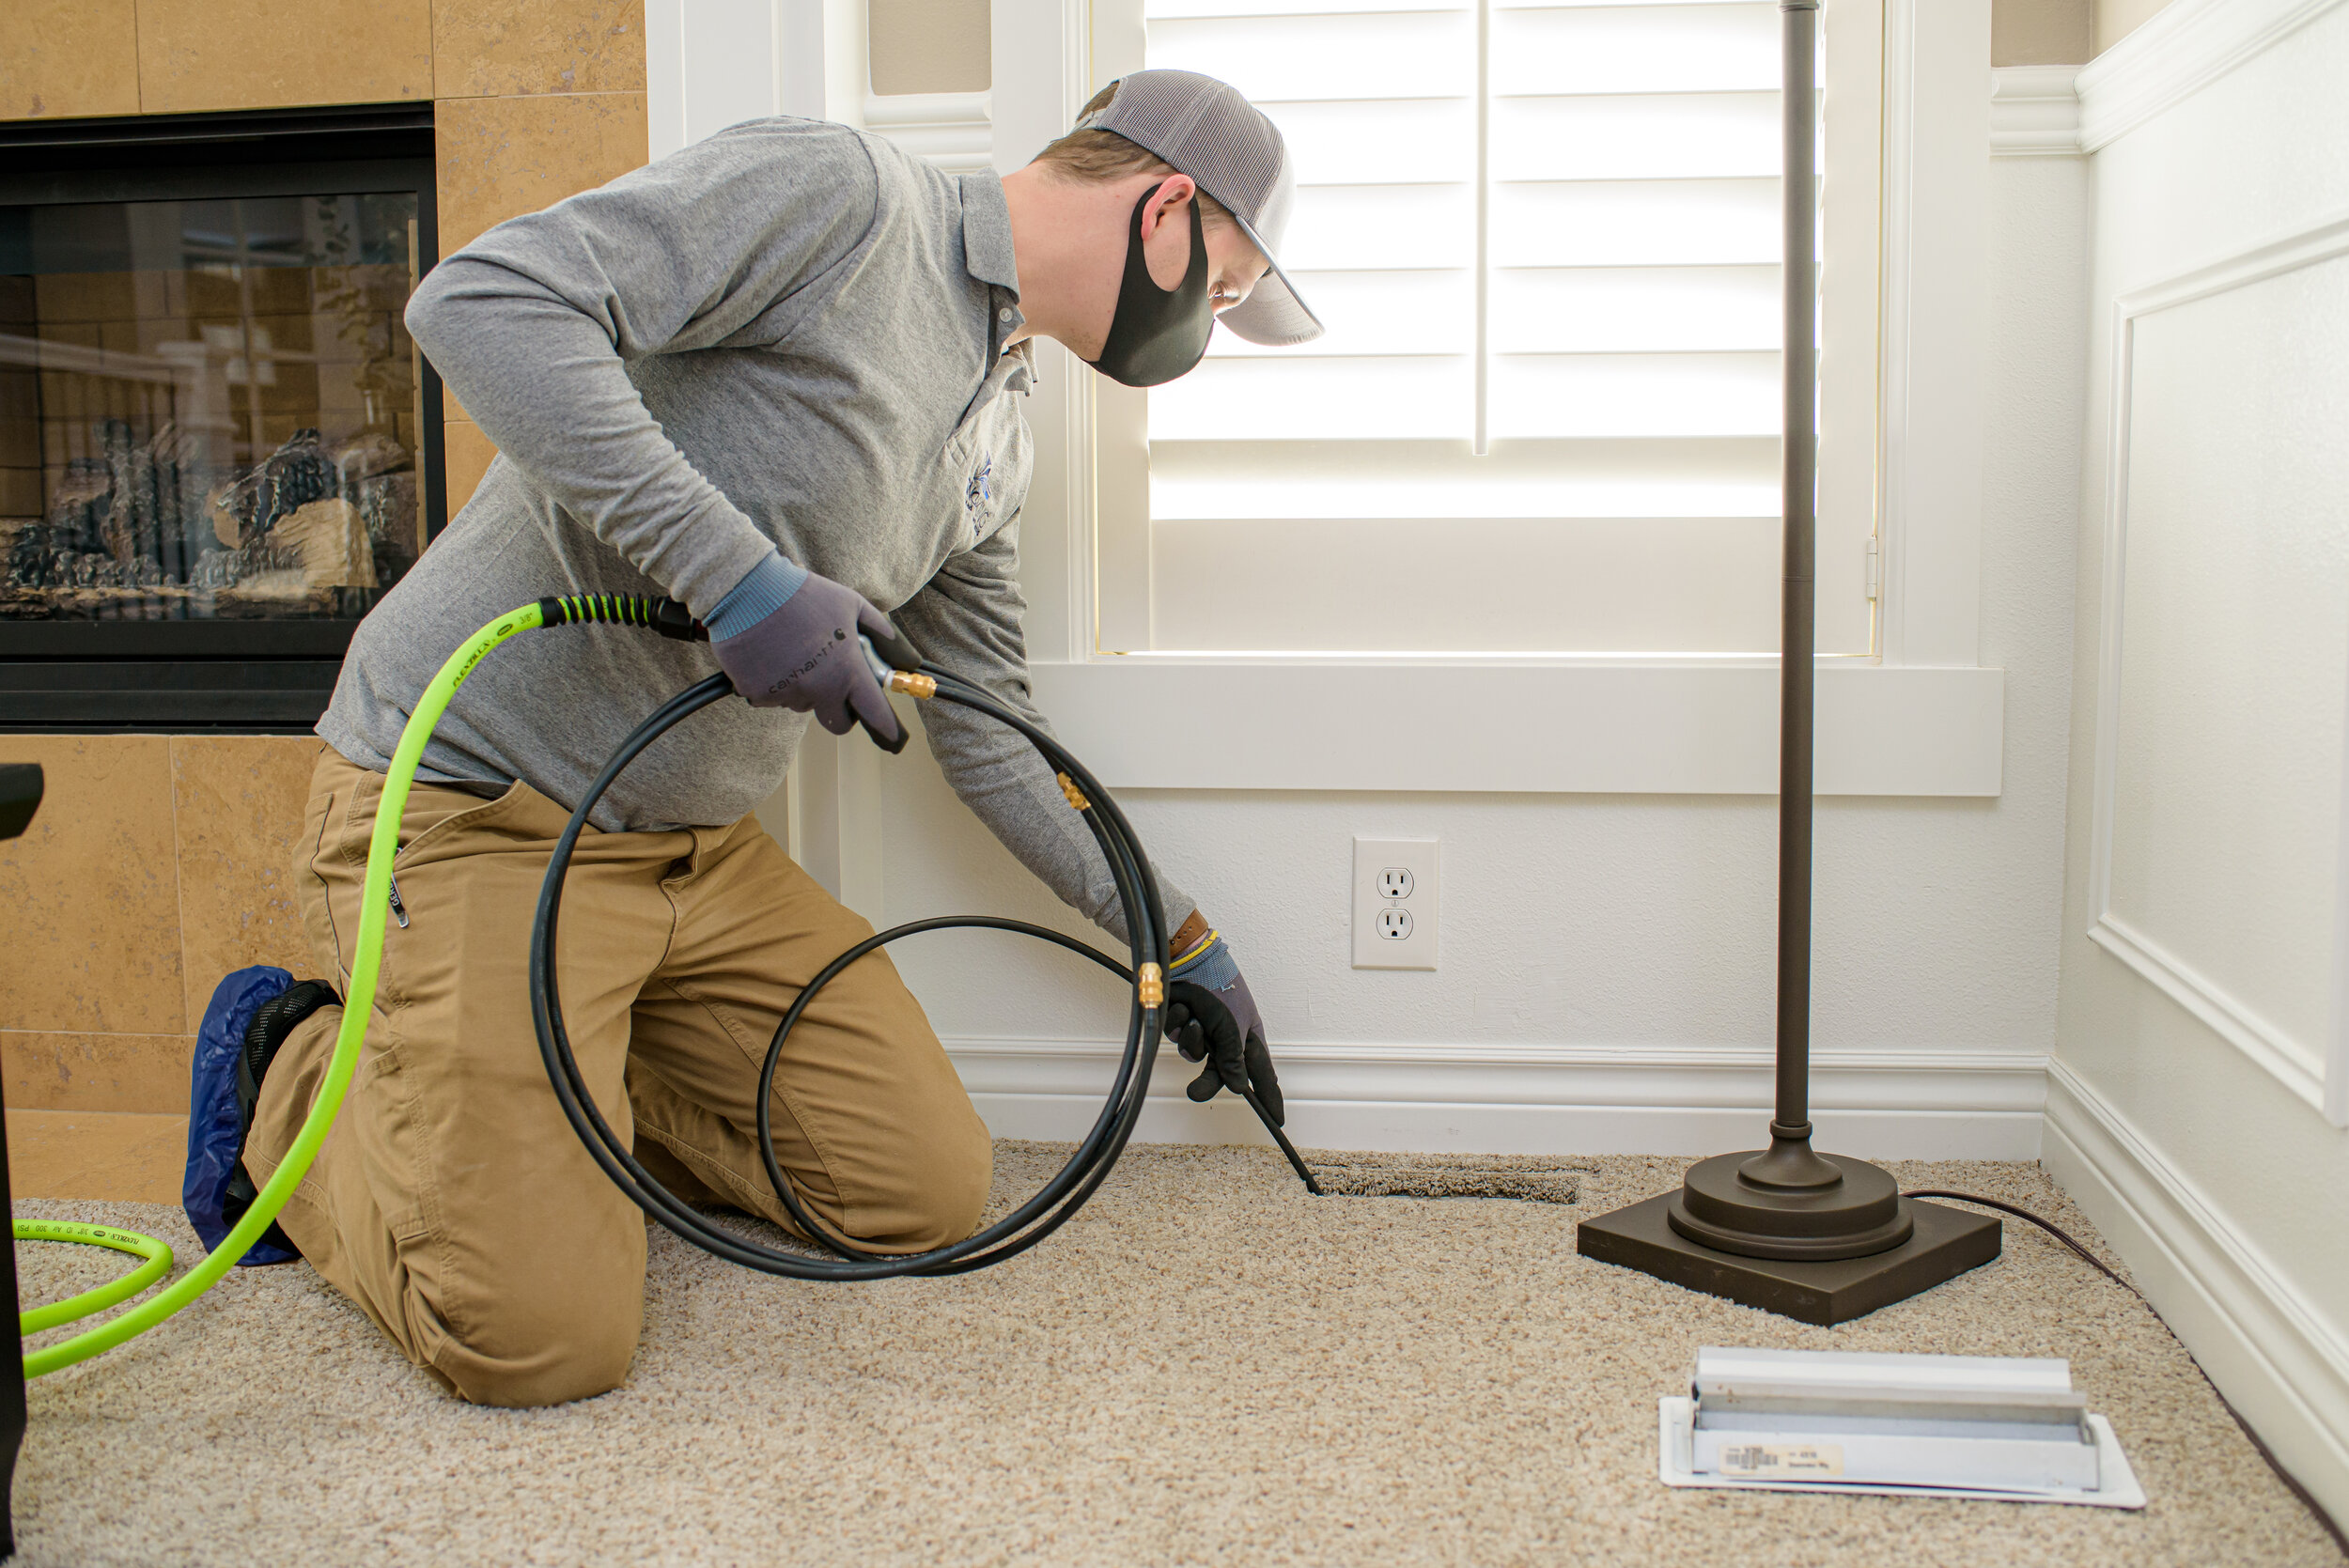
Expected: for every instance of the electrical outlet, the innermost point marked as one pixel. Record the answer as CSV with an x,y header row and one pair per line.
x,y
1395,887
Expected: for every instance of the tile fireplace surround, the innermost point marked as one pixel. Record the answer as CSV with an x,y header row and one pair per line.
x,y
159,861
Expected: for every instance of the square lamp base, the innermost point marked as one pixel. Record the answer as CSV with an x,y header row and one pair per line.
x,y
1947,1243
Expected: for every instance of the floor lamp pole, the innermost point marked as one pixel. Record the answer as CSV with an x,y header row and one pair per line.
x,y
1820,1237
1799,465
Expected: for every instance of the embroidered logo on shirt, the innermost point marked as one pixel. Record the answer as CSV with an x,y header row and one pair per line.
x,y
976,495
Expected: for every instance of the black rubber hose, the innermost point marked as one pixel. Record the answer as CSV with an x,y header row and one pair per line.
x,y
1051,1207
1112,1123
816,1228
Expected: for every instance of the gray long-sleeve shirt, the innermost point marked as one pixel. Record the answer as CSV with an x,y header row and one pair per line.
x,y
789,336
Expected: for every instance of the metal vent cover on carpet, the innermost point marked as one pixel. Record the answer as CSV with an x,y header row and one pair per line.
x,y
1523,1177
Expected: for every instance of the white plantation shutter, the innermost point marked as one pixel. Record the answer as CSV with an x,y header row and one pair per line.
x,y
1544,417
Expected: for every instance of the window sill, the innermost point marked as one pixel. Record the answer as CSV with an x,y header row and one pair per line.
x,y
1501,726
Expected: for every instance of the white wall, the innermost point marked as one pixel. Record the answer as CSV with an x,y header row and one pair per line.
x,y
2184,1111
1607,973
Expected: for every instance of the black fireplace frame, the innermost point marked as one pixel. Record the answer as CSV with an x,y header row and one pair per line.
x,y
213,676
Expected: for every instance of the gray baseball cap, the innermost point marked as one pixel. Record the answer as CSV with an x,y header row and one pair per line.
x,y
1204,129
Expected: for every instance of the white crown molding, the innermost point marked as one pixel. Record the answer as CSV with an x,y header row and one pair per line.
x,y
1537,1099
954,131
2034,111
2268,1349
2184,48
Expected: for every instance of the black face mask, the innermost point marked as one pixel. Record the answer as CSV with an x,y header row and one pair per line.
x,y
1155,335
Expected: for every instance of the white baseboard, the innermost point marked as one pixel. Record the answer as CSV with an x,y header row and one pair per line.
x,y
1537,1099
2276,1360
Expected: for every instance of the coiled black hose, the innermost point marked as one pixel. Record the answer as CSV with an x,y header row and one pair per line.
x,y
1031,1221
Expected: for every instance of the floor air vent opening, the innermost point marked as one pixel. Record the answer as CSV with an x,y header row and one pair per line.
x,y
1523,1178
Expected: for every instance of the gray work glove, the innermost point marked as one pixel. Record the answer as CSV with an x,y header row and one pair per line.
x,y
1212,1018
805,657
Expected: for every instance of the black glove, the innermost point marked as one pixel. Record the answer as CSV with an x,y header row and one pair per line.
x,y
1212,1018
806,656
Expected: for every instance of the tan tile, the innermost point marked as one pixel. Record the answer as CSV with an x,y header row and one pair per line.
x,y
97,1072
276,429
239,802
22,493
502,157
265,290
92,891
140,337
197,54
104,1156
272,334
465,458
63,297
68,57
507,48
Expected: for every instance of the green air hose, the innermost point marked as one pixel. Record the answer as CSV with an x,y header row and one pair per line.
x,y
367,952
1040,1217
158,1264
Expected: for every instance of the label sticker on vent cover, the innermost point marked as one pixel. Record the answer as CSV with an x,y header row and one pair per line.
x,y
1771,1460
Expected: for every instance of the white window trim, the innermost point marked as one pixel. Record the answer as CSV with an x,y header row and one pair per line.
x,y
1922,718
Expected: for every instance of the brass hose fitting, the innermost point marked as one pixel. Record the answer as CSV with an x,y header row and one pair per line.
x,y
1150,985
913,684
1076,796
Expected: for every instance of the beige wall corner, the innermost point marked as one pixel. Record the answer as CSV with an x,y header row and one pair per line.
x,y
68,57
106,1156
502,157
92,892
2117,18
240,803
2040,32
142,1073
198,55
509,47
464,458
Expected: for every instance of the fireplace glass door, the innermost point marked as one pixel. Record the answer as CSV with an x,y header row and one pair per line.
x,y
211,408
218,444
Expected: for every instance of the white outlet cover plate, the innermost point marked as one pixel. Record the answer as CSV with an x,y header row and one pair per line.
x,y
1421,857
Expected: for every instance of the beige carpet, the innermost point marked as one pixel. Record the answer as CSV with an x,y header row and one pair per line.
x,y
1208,1366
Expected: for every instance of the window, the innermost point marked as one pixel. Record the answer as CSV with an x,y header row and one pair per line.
x,y
1544,240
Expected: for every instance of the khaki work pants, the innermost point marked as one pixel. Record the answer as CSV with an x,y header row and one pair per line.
x,y
452,1200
